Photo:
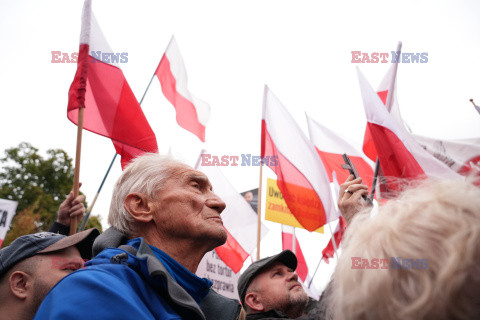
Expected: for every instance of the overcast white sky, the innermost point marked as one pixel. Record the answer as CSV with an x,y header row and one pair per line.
x,y
301,49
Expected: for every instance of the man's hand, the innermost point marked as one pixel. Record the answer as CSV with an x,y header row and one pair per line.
x,y
350,197
71,208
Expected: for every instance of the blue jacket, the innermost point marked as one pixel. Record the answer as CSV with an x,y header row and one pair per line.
x,y
121,285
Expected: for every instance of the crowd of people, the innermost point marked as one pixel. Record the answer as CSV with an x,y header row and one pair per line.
x,y
414,257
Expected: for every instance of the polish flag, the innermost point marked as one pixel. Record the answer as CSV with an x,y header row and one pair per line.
x,y
239,220
192,113
399,154
99,86
287,244
389,83
331,146
301,176
329,250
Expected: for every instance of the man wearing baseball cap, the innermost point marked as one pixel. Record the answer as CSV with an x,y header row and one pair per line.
x,y
33,264
269,289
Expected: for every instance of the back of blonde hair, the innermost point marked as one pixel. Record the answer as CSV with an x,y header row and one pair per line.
x,y
437,221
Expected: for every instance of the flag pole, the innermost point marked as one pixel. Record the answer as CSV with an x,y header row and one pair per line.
x,y
294,242
333,239
259,210
311,279
476,107
388,105
76,174
89,210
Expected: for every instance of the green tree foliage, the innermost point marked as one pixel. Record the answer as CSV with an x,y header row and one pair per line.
x,y
38,184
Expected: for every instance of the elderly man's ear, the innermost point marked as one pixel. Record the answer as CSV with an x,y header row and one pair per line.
x,y
20,283
139,207
252,300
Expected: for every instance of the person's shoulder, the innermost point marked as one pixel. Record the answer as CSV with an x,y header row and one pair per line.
x,y
92,293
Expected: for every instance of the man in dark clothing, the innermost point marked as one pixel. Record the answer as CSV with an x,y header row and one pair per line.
x,y
269,289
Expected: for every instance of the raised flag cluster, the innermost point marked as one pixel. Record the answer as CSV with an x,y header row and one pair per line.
x,y
399,154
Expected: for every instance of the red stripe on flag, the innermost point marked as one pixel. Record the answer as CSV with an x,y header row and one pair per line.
x,y
232,253
301,198
287,244
368,144
186,112
395,159
329,250
333,162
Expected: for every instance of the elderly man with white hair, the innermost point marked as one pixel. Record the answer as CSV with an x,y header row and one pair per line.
x,y
165,218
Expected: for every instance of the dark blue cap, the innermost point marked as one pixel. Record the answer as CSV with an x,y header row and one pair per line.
x,y
45,242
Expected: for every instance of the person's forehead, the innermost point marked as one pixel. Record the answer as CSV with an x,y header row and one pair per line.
x,y
185,172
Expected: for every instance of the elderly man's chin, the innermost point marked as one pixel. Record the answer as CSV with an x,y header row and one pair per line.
x,y
217,237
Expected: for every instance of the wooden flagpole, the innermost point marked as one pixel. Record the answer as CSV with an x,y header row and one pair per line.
x,y
76,174
388,105
259,211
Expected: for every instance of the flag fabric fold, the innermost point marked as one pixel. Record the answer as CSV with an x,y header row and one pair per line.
x,y
401,157
331,146
239,220
301,177
99,86
192,113
287,244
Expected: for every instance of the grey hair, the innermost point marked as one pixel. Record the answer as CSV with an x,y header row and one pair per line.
x,y
438,222
145,175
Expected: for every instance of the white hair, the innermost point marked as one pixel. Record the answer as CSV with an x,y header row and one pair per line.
x,y
146,175
437,222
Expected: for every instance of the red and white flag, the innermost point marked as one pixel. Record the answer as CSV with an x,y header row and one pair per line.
x,y
287,244
239,220
301,176
331,146
329,250
399,154
99,86
192,113
7,211
387,91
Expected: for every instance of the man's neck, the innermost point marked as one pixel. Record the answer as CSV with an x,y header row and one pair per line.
x,y
12,311
184,251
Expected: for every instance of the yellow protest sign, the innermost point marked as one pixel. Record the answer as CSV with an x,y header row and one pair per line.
x,y
276,209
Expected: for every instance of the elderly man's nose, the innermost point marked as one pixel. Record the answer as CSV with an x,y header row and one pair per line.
x,y
216,203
